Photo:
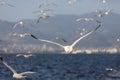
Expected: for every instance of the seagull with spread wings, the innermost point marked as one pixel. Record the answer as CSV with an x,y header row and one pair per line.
x,y
15,74
2,3
68,48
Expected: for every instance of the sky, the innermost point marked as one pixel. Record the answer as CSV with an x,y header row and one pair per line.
x,y
23,9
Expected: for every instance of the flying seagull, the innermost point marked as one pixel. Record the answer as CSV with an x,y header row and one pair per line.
x,y
15,74
4,3
102,13
46,4
25,55
84,19
104,1
21,35
68,48
71,1
21,23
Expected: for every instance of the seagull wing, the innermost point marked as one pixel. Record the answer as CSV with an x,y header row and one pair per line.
x,y
48,41
85,35
18,55
15,25
9,67
28,72
10,5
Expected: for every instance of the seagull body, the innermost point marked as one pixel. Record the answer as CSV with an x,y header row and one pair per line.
x,y
68,48
15,74
25,55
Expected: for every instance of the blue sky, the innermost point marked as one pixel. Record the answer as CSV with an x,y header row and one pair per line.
x,y
23,8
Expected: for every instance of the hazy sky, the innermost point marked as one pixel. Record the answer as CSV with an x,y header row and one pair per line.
x,y
23,9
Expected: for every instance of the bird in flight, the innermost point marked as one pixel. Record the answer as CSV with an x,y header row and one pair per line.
x,y
25,55
68,48
2,3
15,74
21,23
102,13
46,4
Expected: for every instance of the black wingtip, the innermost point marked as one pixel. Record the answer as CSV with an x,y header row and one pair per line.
x,y
98,27
64,40
1,58
34,36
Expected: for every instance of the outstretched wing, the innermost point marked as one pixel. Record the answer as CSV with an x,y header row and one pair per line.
x,y
28,72
48,41
9,67
10,5
85,35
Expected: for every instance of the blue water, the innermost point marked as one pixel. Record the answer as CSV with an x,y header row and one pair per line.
x,y
62,66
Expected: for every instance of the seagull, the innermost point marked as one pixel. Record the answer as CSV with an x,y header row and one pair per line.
x,y
21,35
104,1
88,20
118,40
113,72
5,49
21,23
84,19
46,4
44,15
4,3
25,55
15,74
102,13
71,1
68,48
42,11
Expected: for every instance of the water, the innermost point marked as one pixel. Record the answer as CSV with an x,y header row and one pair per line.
x,y
63,66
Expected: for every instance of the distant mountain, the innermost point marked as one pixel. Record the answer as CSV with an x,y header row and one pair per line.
x,y
65,26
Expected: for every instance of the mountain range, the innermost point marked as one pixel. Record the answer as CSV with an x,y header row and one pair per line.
x,y
66,27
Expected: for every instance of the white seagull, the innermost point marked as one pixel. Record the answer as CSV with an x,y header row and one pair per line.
x,y
68,48
4,3
46,4
84,19
104,1
43,14
71,1
21,23
15,74
21,35
25,55
102,13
